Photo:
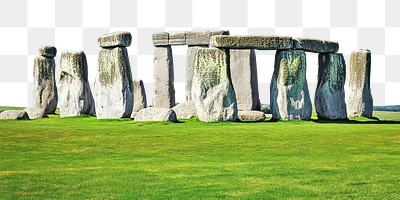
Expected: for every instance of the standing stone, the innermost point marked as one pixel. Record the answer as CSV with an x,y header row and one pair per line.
x,y
75,94
329,96
243,67
212,91
45,89
360,102
48,51
139,95
190,59
113,85
164,92
290,99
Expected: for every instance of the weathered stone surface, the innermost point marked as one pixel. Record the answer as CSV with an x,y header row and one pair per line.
x,y
113,85
35,113
164,92
117,39
252,42
329,96
266,108
160,39
190,61
156,114
74,91
177,38
133,115
45,91
185,110
212,91
243,68
139,96
202,37
290,99
14,114
317,46
360,102
48,51
251,115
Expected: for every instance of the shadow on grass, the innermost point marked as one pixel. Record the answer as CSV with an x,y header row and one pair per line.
x,y
373,120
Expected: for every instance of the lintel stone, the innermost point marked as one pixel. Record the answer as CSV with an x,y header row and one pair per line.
x,y
252,42
315,45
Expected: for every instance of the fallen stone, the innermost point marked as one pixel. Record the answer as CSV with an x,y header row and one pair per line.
x,y
243,68
290,99
251,115
329,96
48,51
212,90
190,61
45,90
117,39
156,114
160,39
36,113
317,46
251,42
201,38
164,92
177,38
360,102
185,110
74,91
113,84
139,96
14,114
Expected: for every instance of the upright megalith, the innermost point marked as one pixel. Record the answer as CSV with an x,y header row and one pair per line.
x,y
290,99
75,94
139,96
212,90
329,96
360,102
243,68
190,61
113,84
45,89
164,92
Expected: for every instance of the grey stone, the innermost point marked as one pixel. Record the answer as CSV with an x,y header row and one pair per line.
x,y
48,51
116,39
290,99
164,92
185,110
156,114
139,96
14,114
113,85
35,113
212,90
160,39
317,46
251,115
202,37
243,68
252,42
74,90
190,60
177,38
360,102
45,90
329,96
133,115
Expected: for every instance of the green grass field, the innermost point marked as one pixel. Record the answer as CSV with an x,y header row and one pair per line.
x,y
85,158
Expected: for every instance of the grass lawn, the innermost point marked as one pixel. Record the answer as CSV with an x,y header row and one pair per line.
x,y
85,158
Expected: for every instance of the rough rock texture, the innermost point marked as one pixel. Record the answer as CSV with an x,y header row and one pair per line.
x,y
45,91
251,42
317,46
164,92
14,114
329,96
190,59
35,113
243,68
133,115
117,39
48,51
251,115
360,102
185,110
160,39
156,114
74,91
139,96
266,108
202,37
212,91
177,38
290,99
113,85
